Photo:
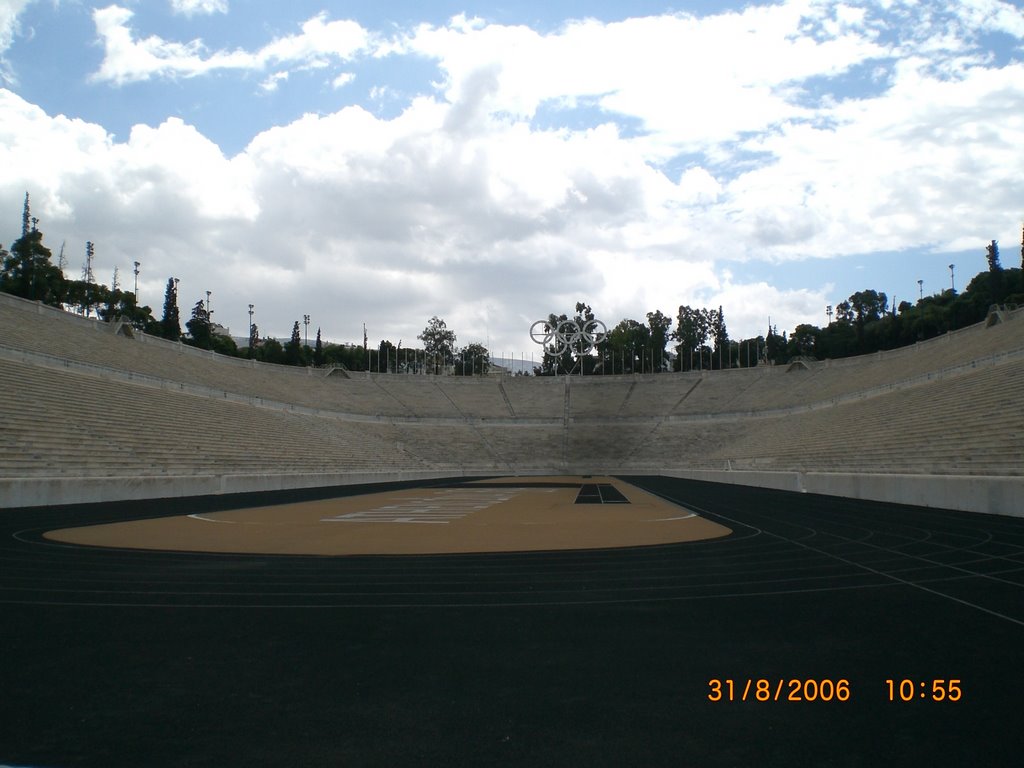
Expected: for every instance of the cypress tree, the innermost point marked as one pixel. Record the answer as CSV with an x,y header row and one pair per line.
x,y
293,349
170,324
199,326
995,272
26,217
318,351
27,270
993,257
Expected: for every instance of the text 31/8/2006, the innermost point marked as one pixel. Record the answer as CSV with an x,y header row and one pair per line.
x,y
794,689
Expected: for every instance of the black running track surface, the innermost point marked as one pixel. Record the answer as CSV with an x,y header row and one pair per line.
x,y
121,658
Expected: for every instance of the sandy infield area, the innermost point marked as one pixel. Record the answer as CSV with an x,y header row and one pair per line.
x,y
495,515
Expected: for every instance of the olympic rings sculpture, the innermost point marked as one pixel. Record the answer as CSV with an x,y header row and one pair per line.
x,y
568,334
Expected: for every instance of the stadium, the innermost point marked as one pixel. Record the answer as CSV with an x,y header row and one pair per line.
x,y
110,414
863,535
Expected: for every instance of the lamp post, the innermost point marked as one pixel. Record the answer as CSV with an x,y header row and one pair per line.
x,y
208,310
252,340
952,281
920,290
137,283
305,322
828,311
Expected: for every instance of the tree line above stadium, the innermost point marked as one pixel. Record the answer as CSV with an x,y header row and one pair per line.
x,y
864,323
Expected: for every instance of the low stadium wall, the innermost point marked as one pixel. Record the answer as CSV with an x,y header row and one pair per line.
x,y
968,493
47,491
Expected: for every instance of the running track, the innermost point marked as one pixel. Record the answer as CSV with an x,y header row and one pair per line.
x,y
124,658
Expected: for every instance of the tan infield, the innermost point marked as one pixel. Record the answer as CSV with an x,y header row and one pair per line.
x,y
503,515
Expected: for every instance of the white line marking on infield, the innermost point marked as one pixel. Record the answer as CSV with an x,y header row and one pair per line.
x,y
439,508
210,519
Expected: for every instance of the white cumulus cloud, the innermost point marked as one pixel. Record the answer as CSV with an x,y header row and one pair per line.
x,y
128,58
193,7
706,141
10,10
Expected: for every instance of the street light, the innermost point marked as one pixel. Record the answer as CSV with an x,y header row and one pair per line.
x,y
305,321
208,312
952,282
828,311
920,288
137,283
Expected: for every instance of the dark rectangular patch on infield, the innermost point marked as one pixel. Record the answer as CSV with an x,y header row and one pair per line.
x,y
600,493
611,495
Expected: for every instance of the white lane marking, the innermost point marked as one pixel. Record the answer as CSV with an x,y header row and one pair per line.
x,y
667,519
210,519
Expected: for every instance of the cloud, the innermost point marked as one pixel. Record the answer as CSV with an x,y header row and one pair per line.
x,y
912,166
10,10
271,82
749,306
128,59
990,16
342,80
160,179
689,81
773,134
193,7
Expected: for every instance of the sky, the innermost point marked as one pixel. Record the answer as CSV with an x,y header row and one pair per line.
x,y
383,163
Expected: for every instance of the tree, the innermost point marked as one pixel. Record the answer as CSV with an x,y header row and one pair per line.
x,y
804,340
26,217
659,325
718,332
1020,281
27,270
629,346
318,350
992,255
473,359
254,339
438,343
749,351
353,357
867,307
199,327
583,318
271,351
693,328
560,357
386,358
224,345
844,312
554,361
293,347
89,280
702,322
170,323
775,345
997,283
